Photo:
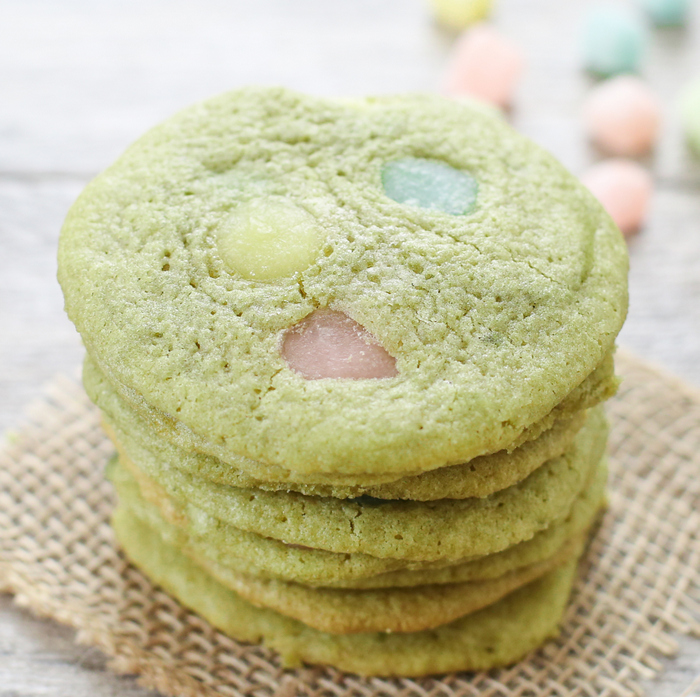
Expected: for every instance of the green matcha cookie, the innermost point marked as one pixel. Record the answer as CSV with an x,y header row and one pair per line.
x,y
497,635
418,531
480,477
597,387
189,528
408,609
187,263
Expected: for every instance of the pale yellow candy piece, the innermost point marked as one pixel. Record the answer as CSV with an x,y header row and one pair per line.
x,y
458,14
269,238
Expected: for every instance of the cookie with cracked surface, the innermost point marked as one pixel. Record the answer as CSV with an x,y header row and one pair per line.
x,y
426,222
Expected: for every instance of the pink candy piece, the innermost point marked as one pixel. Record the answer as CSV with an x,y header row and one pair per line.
x,y
328,344
484,65
624,188
622,116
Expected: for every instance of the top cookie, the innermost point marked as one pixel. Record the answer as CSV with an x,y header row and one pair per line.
x,y
488,272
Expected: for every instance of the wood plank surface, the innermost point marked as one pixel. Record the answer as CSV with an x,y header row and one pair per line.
x,y
82,79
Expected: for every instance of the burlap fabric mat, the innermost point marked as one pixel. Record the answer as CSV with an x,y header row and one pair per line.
x,y
639,584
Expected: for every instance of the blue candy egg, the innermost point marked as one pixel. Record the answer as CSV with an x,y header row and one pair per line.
x,y
667,13
430,184
614,41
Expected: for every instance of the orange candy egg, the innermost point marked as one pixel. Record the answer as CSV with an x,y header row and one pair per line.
x,y
485,65
624,188
622,116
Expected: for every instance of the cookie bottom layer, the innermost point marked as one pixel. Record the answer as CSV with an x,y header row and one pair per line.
x,y
496,636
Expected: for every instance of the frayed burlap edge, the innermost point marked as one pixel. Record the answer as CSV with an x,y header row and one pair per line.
x,y
638,586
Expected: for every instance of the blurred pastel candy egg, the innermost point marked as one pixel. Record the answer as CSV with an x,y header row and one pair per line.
x,y
484,65
624,189
667,13
690,114
622,116
458,14
614,41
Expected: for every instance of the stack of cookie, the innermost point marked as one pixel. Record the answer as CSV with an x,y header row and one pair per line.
x,y
351,354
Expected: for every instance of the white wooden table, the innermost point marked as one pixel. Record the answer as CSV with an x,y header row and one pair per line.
x,y
80,79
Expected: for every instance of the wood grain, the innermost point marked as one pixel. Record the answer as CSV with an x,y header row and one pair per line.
x,y
80,80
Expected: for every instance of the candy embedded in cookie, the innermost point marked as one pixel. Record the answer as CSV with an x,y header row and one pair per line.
x,y
263,240
430,184
329,344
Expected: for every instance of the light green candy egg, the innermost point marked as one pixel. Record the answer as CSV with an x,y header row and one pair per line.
x,y
690,112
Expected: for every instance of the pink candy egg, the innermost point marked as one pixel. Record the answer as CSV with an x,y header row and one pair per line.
x,y
624,188
622,116
329,344
484,65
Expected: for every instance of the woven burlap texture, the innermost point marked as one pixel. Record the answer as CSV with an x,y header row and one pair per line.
x,y
639,584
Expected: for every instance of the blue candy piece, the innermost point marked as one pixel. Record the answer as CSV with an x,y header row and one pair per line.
x,y
667,13
430,184
614,41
